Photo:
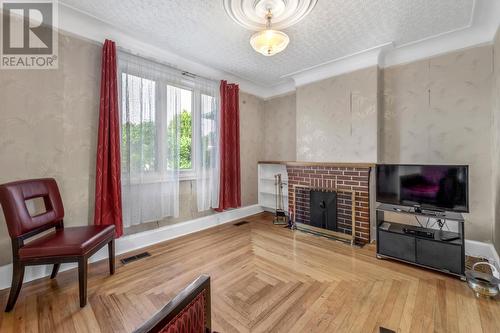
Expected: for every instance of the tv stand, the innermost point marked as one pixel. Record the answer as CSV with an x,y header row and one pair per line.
x,y
436,249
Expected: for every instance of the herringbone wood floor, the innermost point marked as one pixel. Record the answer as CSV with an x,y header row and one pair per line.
x,y
264,278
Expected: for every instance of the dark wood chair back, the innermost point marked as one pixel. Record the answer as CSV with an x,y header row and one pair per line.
x,y
188,312
13,197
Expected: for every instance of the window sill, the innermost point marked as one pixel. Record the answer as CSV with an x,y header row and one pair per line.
x,y
154,180
187,174
187,177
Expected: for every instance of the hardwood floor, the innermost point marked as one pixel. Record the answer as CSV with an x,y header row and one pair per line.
x,y
264,278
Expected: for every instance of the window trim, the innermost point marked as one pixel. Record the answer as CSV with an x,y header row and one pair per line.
x,y
190,174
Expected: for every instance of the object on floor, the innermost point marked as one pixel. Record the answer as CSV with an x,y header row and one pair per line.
x,y
483,284
471,260
188,312
386,330
280,217
62,245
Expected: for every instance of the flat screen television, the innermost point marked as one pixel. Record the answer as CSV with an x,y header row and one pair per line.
x,y
433,187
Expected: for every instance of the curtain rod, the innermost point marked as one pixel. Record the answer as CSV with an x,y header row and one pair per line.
x,y
182,72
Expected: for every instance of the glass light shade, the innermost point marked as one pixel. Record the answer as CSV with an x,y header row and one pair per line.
x,y
269,42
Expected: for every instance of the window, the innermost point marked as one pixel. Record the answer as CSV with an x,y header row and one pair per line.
x,y
169,133
165,126
138,124
183,127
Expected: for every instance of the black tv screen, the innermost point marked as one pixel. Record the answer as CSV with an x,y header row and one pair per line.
x,y
438,187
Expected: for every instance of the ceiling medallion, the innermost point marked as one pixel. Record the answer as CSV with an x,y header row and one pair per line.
x,y
257,15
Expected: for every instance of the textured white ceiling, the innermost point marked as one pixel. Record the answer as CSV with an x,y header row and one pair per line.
x,y
202,31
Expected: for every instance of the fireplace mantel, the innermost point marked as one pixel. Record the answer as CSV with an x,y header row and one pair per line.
x,y
325,164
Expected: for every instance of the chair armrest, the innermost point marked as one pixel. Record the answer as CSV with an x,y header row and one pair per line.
x,y
198,290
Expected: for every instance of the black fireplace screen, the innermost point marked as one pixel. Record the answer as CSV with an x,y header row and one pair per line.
x,y
323,210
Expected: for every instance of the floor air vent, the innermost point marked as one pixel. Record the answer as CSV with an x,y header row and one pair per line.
x,y
139,256
240,223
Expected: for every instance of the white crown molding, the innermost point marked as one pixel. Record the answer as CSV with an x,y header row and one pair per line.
x,y
85,25
481,30
278,90
349,63
484,24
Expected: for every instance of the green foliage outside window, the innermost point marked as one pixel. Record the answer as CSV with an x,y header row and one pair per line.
x,y
140,134
145,134
185,137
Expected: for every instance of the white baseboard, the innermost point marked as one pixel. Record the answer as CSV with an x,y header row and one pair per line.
x,y
137,241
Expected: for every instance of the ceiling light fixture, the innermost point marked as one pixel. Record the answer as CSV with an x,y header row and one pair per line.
x,y
256,15
269,42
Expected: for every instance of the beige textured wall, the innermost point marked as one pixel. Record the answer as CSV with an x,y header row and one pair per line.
x,y
251,141
496,141
280,129
337,118
48,128
438,111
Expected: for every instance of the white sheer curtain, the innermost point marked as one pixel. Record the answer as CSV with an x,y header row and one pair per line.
x,y
153,96
207,185
150,111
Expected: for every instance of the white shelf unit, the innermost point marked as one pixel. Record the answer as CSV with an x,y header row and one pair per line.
x,y
267,196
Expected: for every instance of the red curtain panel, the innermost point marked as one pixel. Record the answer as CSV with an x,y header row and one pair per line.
x,y
230,179
108,198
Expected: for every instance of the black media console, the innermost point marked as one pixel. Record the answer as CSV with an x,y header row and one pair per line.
x,y
440,250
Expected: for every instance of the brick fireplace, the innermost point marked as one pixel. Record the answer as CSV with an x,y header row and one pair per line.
x,y
348,180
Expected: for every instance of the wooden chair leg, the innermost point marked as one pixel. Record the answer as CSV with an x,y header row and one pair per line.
x,y
111,253
15,288
55,269
82,280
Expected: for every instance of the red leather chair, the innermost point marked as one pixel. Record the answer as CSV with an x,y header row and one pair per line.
x,y
61,245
